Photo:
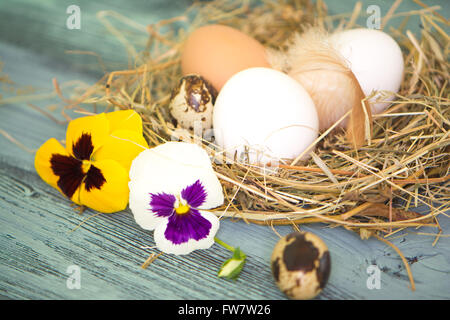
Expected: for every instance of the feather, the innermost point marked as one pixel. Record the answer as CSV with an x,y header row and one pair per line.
x,y
324,73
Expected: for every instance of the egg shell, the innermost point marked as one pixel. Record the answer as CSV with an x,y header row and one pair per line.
x,y
217,52
192,103
301,265
375,59
263,115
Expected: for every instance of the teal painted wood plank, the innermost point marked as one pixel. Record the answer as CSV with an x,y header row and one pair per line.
x,y
37,245
40,27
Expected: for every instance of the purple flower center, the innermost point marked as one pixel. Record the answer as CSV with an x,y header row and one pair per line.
x,y
185,221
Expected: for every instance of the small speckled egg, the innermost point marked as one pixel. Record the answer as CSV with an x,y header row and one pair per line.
x,y
192,103
301,265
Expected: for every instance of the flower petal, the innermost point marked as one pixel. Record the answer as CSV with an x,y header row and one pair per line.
x,y
139,203
195,194
169,168
162,204
125,120
122,146
82,149
182,234
96,126
112,196
183,227
70,174
42,161
94,178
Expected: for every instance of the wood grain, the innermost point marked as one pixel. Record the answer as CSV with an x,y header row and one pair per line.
x,y
37,246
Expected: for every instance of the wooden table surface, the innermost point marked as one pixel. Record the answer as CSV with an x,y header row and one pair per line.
x,y
37,245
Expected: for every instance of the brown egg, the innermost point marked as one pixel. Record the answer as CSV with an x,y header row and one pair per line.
x,y
217,52
301,265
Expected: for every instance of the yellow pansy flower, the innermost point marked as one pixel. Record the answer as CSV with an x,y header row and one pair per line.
x,y
92,170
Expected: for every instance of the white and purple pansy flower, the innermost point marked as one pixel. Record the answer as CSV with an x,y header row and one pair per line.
x,y
171,188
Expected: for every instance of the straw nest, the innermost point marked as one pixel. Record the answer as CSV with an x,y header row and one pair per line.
x,y
403,164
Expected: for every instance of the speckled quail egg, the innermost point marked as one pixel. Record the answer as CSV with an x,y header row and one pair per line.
x,y
192,103
301,265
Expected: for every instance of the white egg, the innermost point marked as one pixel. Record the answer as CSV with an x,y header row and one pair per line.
x,y
375,59
262,115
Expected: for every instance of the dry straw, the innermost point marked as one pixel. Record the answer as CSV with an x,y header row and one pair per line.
x,y
371,190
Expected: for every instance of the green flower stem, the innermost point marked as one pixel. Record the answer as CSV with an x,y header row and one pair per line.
x,y
232,267
223,244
